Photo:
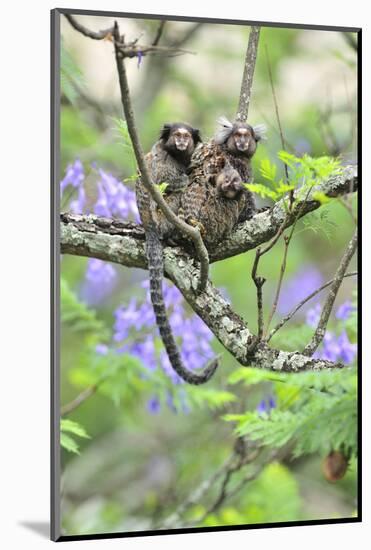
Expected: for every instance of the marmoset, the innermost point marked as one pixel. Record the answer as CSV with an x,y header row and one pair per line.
x,y
215,199
167,163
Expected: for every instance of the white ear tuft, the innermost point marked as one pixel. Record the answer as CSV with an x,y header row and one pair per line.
x,y
260,131
223,121
223,133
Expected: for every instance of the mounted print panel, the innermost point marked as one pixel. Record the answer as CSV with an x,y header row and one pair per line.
x,y
204,202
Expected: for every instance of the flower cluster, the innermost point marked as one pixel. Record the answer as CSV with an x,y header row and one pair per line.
x,y
334,348
100,280
74,177
137,320
113,197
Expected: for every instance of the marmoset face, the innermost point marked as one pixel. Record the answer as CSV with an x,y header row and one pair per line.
x,y
182,139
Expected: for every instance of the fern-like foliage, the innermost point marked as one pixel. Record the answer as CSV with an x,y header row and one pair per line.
x,y
316,411
69,430
72,79
305,173
77,315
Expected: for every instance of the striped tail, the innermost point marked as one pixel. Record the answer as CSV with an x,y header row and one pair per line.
x,y
156,273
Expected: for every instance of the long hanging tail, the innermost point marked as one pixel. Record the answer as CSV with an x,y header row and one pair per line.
x,y
156,273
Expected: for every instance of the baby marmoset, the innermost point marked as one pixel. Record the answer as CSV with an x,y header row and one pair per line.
x,y
215,199
167,163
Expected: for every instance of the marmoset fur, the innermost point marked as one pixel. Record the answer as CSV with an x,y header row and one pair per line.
x,y
167,163
215,199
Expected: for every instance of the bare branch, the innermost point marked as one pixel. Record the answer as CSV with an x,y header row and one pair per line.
x,y
130,49
160,30
335,285
195,496
302,303
248,74
83,396
286,240
100,35
188,231
259,282
283,142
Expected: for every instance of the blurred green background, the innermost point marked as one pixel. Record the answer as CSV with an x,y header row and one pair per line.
x,y
136,467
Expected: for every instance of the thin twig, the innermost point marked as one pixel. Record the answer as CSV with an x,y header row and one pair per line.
x,y
287,240
287,318
286,243
130,49
134,50
283,141
327,308
248,74
159,32
83,396
100,35
191,232
196,495
259,282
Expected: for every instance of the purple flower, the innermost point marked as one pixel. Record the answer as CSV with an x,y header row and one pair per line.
x,y
101,206
77,205
337,348
348,351
114,198
313,315
100,279
266,405
298,287
345,310
135,331
153,405
140,57
74,175
101,349
303,146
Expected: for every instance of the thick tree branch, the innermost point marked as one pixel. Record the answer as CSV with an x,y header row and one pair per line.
x,y
90,236
248,74
123,241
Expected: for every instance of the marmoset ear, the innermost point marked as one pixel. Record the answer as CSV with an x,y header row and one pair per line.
x,y
196,136
165,132
260,132
224,131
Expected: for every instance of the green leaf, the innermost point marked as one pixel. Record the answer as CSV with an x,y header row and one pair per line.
x,y
69,444
209,397
261,190
162,187
73,427
321,197
268,170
